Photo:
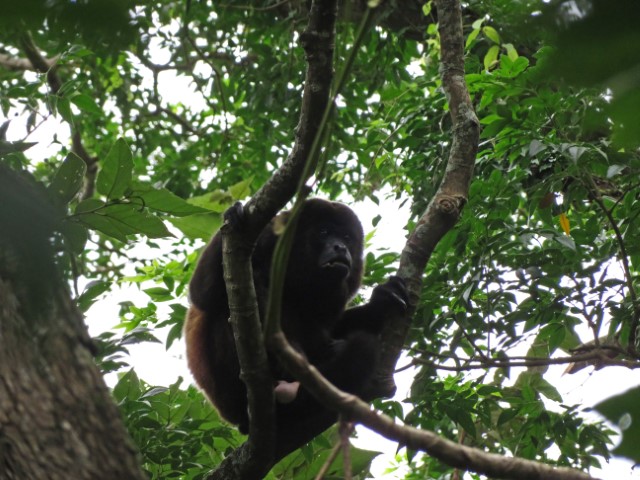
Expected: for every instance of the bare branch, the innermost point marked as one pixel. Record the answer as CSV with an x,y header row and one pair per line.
x,y
318,43
598,357
14,64
444,209
40,64
329,461
624,258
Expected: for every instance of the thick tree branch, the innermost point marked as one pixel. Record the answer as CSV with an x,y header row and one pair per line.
x,y
40,64
254,458
318,41
237,247
444,209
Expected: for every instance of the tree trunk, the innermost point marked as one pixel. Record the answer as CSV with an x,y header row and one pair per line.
x,y
57,418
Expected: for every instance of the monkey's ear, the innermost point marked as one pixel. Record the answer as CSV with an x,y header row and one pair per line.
x,y
280,222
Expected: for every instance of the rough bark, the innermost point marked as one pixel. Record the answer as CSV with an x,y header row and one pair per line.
x,y
57,418
446,206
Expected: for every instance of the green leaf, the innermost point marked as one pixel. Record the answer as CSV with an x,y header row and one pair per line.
x,y
508,414
104,224
512,53
553,334
68,179
130,217
216,201
566,241
75,235
91,292
175,333
614,170
120,220
546,389
114,177
154,391
519,65
128,387
462,417
491,57
477,23
241,189
201,226
535,147
491,34
624,411
89,205
86,104
159,294
164,201
472,36
64,109
12,147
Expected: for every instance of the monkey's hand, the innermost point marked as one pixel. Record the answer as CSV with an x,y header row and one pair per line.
x,y
391,294
234,215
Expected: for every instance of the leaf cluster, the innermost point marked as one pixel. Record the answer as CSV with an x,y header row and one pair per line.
x,y
195,105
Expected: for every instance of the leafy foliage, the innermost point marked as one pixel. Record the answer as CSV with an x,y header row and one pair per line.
x,y
194,104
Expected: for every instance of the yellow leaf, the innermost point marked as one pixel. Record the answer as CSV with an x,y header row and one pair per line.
x,y
564,223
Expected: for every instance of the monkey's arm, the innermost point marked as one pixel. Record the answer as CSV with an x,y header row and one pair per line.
x,y
387,299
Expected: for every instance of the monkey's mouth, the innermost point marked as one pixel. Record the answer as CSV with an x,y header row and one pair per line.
x,y
338,264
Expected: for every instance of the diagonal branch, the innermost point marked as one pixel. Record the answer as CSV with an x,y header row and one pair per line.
x,y
449,452
445,208
318,42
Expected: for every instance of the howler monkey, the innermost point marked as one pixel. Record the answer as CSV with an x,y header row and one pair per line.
x,y
323,274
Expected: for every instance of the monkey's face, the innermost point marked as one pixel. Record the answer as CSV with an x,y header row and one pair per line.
x,y
333,249
327,250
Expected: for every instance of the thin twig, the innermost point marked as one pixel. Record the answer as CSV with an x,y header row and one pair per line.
x,y
624,258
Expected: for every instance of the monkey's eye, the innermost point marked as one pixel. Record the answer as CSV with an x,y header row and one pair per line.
x,y
346,237
323,233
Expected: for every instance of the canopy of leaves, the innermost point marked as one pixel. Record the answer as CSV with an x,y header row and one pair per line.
x,y
166,112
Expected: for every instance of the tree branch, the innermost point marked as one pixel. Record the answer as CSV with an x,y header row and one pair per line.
x,y
14,64
318,42
254,458
443,211
624,258
598,357
451,453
